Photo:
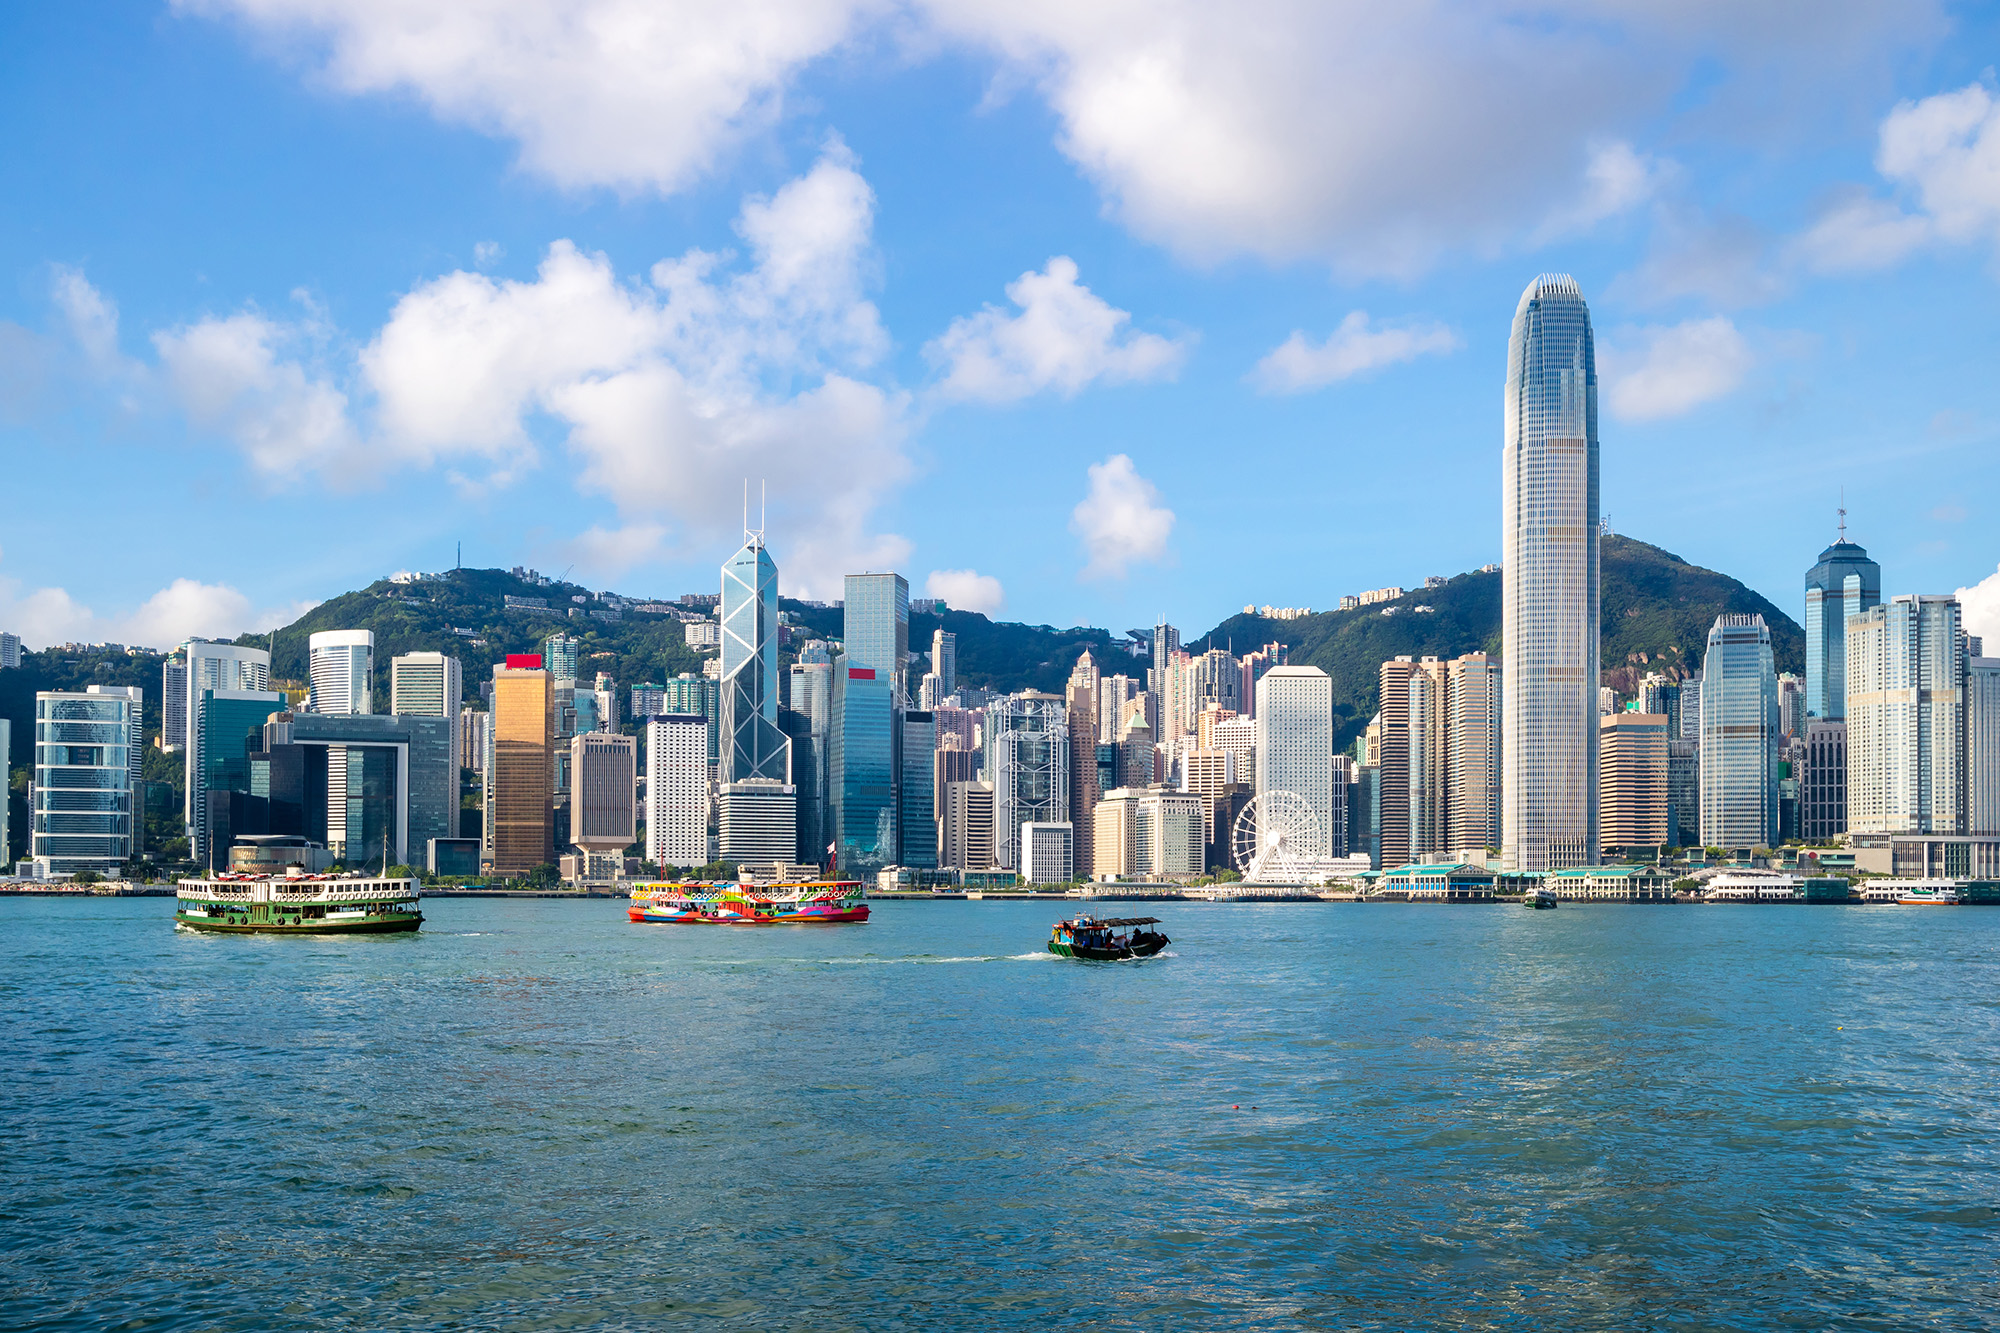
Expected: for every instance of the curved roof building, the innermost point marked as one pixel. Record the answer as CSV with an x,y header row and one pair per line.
x,y
1549,587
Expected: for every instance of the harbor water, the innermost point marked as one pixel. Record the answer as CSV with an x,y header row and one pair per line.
x,y
535,1115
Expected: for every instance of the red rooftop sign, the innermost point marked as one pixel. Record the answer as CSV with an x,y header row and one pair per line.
x,y
861,673
524,661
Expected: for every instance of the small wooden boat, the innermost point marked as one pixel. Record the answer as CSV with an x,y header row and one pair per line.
x,y
1109,941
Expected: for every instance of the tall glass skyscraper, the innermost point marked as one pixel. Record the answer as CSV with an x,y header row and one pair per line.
x,y
861,769
752,745
876,623
1845,582
1739,735
1548,536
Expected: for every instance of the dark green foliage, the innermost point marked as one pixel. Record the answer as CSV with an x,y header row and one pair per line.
x,y
425,617
1656,607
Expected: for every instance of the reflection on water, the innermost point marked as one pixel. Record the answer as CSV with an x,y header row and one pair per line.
x,y
535,1115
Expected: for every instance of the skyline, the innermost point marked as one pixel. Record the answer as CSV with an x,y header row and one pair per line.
x,y
152,337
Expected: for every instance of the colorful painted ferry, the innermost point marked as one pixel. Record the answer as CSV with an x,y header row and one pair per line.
x,y
298,903
820,903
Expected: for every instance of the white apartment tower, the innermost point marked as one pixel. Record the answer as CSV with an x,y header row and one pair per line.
x,y
1549,583
677,789
1294,745
1906,717
342,669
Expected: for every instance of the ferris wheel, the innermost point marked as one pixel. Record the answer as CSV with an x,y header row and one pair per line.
x,y
1276,837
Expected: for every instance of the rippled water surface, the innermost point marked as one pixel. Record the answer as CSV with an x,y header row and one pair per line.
x,y
536,1115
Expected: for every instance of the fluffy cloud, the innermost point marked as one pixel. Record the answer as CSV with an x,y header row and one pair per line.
x,y
1663,372
1353,349
92,319
1374,136
967,590
232,374
663,387
1979,608
1943,154
1121,520
633,94
1064,338
180,610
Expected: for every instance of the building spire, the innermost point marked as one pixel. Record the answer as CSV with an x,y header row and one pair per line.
x,y
1843,514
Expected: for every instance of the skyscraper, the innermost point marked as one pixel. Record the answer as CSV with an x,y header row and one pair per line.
x,y
84,805
213,666
1845,582
425,685
1295,745
1549,612
1823,783
1906,717
603,808
560,655
916,796
944,661
1080,698
677,789
1633,794
1982,746
1472,715
861,769
752,746
342,668
1027,761
1739,735
875,623
520,824
1398,677
174,702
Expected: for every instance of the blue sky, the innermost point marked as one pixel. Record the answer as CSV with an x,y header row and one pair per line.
x,y
1076,314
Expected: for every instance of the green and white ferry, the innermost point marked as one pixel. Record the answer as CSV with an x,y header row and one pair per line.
x,y
298,903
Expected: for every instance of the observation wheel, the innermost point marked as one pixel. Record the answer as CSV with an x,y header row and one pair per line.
x,y
1276,837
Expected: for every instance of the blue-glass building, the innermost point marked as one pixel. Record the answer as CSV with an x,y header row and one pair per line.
x,y
1739,736
875,623
861,769
1843,583
916,796
752,746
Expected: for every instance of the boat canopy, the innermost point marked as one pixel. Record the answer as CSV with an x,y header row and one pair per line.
x,y
1117,921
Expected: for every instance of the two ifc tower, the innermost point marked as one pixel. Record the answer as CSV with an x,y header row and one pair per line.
x,y
1549,584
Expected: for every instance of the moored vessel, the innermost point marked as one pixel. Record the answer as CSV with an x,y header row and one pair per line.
x,y
823,902
299,904
1106,941
1929,895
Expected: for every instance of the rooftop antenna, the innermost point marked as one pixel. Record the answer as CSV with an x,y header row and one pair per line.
x,y
1843,513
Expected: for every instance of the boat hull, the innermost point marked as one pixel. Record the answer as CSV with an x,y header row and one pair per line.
x,y
388,925
1088,954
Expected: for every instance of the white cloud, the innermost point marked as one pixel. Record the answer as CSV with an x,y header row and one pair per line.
x,y
231,374
1859,232
1354,348
1376,137
1121,520
633,94
1653,373
184,608
92,319
485,254
664,388
1064,338
967,590
1943,154
1979,609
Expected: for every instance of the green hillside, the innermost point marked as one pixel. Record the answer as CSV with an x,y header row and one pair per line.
x,y
1657,609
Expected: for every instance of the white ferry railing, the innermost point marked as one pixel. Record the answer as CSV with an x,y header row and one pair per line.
x,y
299,891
